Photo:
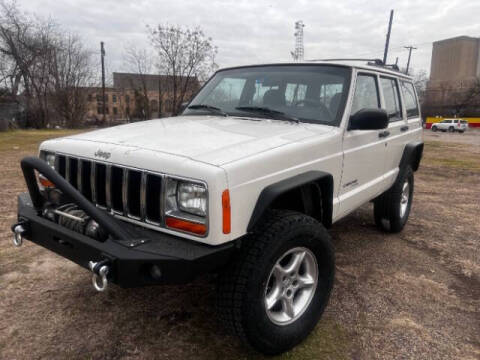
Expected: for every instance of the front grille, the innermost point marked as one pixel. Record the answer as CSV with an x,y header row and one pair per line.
x,y
126,192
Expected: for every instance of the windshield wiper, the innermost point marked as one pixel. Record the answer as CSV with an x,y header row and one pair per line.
x,y
274,114
210,108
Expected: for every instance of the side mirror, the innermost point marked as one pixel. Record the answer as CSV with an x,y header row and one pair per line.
x,y
368,119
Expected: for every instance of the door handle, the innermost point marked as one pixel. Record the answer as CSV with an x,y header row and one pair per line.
x,y
404,128
383,134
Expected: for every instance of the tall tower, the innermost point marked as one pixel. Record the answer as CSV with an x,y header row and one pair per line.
x,y
299,52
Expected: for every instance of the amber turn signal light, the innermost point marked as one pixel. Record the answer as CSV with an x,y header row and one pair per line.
x,y
45,182
188,226
227,220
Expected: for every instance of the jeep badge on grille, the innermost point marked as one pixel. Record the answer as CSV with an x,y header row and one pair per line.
x,y
102,154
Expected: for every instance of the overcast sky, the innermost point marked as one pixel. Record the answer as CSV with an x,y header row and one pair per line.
x,y
259,31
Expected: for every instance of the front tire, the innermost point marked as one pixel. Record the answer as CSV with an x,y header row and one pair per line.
x,y
451,129
392,208
276,290
434,129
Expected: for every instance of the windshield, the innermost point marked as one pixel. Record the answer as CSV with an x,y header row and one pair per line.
x,y
307,93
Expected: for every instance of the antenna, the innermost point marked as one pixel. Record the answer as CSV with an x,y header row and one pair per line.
x,y
298,53
387,40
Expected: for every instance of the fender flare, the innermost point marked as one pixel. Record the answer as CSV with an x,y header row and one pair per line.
x,y
273,191
412,154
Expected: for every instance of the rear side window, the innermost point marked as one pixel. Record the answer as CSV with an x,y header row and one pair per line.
x,y
366,93
392,99
411,104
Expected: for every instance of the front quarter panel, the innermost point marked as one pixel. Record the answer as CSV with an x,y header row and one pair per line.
x,y
248,177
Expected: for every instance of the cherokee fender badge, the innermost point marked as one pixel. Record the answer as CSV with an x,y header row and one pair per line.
x,y
102,154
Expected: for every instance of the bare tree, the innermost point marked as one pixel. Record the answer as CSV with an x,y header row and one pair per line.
x,y
185,55
459,99
71,70
24,43
420,80
139,61
39,63
463,98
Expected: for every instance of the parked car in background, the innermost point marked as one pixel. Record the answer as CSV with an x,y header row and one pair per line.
x,y
451,125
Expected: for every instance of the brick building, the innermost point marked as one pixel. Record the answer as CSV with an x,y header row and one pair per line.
x,y
136,97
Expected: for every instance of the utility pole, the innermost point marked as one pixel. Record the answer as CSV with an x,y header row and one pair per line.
x,y
102,53
410,48
387,42
159,96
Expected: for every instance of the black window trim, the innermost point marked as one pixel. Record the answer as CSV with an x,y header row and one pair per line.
x,y
400,99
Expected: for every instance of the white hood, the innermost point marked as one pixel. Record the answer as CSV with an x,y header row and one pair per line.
x,y
209,139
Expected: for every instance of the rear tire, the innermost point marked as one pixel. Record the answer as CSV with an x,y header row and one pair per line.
x,y
392,208
254,292
451,129
434,129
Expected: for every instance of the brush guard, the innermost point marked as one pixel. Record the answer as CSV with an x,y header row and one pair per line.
x,y
129,256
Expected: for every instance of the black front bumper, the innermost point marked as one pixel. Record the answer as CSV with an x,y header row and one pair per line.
x,y
130,261
131,251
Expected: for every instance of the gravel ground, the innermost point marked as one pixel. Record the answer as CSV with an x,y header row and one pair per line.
x,y
413,295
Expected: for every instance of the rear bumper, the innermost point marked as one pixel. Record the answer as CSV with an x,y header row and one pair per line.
x,y
130,260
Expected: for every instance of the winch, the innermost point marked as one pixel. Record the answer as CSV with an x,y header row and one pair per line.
x,y
73,218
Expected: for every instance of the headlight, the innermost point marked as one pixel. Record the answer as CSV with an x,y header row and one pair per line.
x,y
49,158
186,206
192,198
186,197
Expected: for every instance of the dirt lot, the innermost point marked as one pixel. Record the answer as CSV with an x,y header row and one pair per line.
x,y
414,295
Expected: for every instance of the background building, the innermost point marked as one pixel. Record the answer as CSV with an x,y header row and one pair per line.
x,y
136,97
454,85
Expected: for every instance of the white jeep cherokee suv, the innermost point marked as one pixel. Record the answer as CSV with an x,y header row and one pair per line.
x,y
244,183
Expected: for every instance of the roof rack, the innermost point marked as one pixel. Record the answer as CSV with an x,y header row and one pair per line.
x,y
371,62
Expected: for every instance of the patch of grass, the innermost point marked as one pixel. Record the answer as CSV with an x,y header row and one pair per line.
x,y
456,156
30,139
434,144
328,341
467,164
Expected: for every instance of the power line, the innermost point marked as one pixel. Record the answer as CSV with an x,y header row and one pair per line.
x,y
393,49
